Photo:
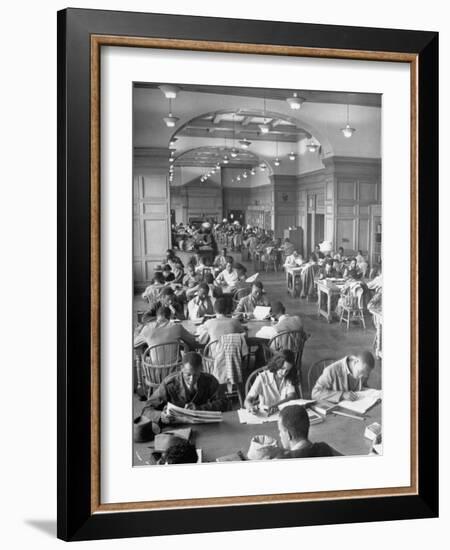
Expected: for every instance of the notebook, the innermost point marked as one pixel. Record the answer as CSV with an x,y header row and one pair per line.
x,y
365,400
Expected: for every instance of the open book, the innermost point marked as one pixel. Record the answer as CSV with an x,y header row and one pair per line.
x,y
190,416
365,400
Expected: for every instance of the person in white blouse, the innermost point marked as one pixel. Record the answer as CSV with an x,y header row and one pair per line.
x,y
293,260
274,385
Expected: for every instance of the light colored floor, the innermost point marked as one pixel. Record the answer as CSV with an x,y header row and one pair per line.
x,y
327,339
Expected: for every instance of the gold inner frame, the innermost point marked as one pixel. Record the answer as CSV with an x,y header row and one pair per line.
x,y
97,41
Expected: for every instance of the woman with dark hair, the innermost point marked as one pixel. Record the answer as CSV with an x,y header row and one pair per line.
x,y
352,271
276,384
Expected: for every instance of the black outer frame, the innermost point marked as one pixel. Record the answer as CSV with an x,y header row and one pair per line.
x,y
75,521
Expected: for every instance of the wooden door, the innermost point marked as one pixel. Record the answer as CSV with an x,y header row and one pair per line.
x,y
151,235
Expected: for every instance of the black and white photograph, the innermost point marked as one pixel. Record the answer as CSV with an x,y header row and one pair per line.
x,y
257,274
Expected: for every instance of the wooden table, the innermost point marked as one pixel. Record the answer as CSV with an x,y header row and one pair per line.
x,y
327,288
293,278
252,327
346,435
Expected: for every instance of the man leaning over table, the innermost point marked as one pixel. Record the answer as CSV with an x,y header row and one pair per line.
x,y
340,380
190,388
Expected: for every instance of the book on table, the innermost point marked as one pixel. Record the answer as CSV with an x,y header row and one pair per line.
x,y
364,401
323,407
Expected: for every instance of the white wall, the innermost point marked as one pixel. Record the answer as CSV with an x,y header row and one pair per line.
x,y
28,274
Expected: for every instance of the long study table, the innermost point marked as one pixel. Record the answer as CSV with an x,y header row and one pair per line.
x,y
345,434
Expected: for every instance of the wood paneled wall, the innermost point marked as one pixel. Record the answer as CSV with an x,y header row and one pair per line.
x,y
357,187
197,200
151,214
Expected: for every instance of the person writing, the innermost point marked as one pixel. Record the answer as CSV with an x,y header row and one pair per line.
x,y
340,380
274,385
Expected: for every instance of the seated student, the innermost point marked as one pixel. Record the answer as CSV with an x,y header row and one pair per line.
x,y
190,388
293,425
189,276
285,322
213,329
352,271
172,259
241,275
152,292
294,260
201,265
308,275
288,247
328,270
320,255
214,291
220,261
359,257
163,331
339,256
341,379
256,298
166,298
274,385
169,277
228,278
201,305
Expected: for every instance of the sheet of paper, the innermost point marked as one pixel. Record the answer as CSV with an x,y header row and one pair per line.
x,y
303,402
252,278
365,400
261,312
267,332
246,417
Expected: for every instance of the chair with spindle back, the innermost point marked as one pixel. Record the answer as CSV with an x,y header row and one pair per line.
x,y
159,361
353,307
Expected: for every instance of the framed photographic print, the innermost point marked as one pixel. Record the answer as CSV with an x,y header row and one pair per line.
x,y
247,274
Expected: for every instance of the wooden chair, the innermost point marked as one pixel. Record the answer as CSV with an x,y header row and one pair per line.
x,y
233,390
241,293
208,357
315,370
353,308
159,361
293,340
251,379
270,259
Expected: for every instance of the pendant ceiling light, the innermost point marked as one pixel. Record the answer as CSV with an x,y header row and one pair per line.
x,y
277,161
347,130
312,147
292,155
169,91
170,120
265,128
295,102
245,143
262,167
245,175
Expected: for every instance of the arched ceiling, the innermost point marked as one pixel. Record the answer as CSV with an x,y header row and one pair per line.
x,y
209,117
